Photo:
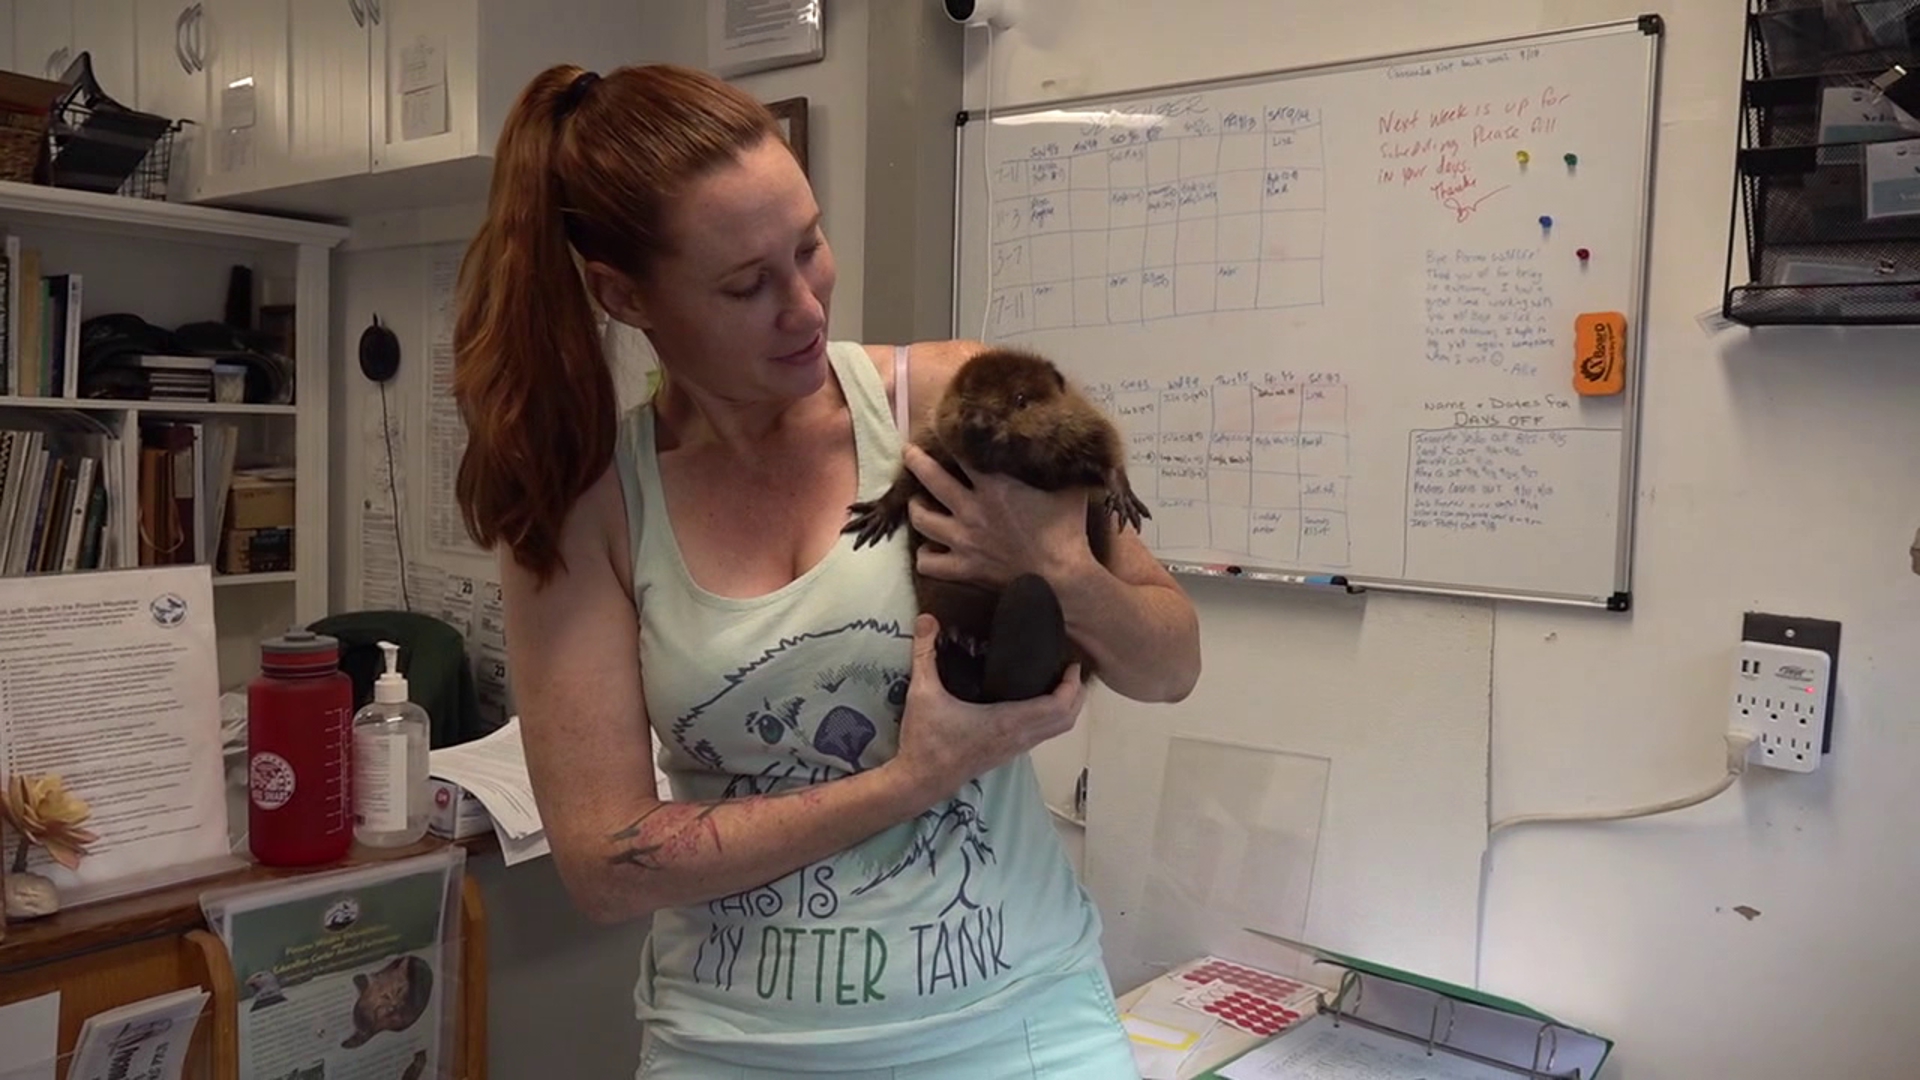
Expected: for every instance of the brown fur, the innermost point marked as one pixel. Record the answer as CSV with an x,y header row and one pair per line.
x,y
1010,412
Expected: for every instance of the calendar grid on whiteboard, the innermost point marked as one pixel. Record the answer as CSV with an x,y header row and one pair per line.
x,y
1332,316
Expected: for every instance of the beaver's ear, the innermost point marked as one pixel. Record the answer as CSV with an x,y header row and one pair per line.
x,y
1059,379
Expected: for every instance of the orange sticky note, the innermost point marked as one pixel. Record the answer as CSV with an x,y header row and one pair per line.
x,y
1600,353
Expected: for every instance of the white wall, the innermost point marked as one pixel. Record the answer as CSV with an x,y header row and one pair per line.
x,y
836,93
1776,473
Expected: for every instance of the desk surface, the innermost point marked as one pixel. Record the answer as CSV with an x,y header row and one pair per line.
x,y
169,910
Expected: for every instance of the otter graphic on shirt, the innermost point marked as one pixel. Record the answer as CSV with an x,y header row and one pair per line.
x,y
830,933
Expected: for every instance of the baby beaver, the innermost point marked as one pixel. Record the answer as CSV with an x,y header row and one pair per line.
x,y
1010,412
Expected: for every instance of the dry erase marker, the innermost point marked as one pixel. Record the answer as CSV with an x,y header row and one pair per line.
x,y
1303,579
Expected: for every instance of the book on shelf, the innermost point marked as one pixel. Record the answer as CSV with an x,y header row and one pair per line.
x,y
60,479
41,325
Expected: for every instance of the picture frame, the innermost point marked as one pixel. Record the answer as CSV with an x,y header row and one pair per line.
x,y
791,113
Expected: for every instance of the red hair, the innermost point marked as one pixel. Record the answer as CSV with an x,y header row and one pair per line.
x,y
587,166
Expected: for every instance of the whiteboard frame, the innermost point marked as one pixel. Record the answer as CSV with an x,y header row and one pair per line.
x,y
1650,26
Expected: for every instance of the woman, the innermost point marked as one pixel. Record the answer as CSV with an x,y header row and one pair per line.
x,y
856,875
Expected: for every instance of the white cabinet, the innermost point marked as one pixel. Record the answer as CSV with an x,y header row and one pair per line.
x,y
246,57
104,29
42,37
173,80
329,95
48,34
6,36
294,94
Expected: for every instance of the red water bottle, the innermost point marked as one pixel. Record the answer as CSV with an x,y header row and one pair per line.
x,y
300,752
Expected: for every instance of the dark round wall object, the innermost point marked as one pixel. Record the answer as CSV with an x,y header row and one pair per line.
x,y
379,352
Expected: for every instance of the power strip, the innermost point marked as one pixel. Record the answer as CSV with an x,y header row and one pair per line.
x,y
1780,696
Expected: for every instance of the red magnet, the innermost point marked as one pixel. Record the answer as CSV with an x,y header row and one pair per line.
x,y
1583,254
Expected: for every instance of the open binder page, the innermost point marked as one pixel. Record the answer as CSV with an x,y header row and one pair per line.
x,y
1318,1050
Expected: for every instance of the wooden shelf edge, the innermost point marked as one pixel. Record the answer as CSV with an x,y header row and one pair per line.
x,y
216,974
171,910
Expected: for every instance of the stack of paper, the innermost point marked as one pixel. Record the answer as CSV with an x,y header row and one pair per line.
x,y
494,771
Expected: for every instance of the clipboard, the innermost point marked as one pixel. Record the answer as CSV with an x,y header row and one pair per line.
x,y
1447,1019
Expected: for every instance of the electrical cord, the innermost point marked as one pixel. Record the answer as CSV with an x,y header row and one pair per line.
x,y
393,495
1739,749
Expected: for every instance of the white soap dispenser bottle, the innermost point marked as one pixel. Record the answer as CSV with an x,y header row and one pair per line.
x,y
391,801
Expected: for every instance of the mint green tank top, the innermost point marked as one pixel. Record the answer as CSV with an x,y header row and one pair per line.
x,y
921,940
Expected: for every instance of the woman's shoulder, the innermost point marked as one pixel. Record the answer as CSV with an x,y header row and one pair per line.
x,y
930,367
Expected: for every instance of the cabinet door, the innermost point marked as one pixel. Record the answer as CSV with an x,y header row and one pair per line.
x,y
173,81
426,93
330,89
244,46
42,37
104,30
7,57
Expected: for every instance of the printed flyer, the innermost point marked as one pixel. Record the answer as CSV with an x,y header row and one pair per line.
x,y
348,976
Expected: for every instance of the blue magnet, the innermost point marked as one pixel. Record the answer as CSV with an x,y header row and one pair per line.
x,y
1546,222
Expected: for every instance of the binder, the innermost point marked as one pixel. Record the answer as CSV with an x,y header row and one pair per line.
x,y
1446,1019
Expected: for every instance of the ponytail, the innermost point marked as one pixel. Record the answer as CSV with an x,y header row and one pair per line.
x,y
529,376
584,165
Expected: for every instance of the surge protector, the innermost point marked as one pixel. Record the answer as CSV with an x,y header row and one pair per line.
x,y
1781,696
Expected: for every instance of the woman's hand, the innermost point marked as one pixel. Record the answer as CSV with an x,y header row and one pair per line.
x,y
996,530
946,742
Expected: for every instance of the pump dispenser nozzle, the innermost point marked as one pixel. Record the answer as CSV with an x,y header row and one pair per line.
x,y
391,687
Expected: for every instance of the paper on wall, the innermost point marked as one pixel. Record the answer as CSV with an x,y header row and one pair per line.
x,y
237,108
423,113
490,683
423,64
490,618
456,598
756,35
446,431
423,88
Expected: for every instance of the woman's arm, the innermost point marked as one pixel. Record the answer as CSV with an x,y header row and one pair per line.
x,y
1130,616
622,851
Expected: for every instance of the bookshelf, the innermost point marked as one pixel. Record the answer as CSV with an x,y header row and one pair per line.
x,y
172,266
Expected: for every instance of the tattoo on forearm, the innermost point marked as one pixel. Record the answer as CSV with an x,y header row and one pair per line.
x,y
653,852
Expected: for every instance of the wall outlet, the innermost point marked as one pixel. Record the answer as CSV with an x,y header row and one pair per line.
x,y
1821,634
1783,695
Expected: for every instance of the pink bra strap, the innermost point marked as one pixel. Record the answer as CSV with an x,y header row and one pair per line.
x,y
901,417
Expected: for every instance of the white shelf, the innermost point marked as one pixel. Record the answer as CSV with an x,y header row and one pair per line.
x,y
171,408
281,577
134,239
154,219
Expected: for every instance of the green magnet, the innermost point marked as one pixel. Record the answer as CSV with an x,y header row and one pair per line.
x,y
1572,160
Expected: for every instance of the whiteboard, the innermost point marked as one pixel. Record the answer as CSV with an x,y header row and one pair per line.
x,y
1333,309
